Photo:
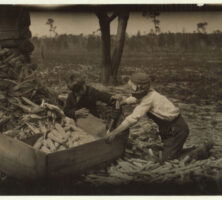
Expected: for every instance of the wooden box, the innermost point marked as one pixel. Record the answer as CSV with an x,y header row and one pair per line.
x,y
22,161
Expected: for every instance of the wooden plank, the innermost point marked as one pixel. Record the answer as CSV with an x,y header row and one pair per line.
x,y
20,160
14,23
81,158
9,43
8,23
5,35
9,19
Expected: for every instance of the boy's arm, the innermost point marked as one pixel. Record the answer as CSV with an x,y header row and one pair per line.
x,y
109,99
132,119
70,106
102,96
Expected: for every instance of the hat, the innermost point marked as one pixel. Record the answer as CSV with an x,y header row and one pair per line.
x,y
140,78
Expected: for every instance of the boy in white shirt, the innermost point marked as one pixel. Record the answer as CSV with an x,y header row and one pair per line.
x,y
172,127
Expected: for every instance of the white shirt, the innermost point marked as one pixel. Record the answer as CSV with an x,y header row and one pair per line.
x,y
156,104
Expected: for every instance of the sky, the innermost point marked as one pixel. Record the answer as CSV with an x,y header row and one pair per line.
x,y
86,23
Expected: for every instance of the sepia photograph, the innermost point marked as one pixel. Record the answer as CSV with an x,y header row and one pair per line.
x,y
119,99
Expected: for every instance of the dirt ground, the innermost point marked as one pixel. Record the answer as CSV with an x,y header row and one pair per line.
x,y
204,123
197,93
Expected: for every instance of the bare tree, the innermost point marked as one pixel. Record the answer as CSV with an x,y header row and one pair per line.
x,y
154,17
52,28
111,63
201,27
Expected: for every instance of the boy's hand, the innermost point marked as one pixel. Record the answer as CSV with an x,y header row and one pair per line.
x,y
110,137
129,100
83,112
116,97
119,130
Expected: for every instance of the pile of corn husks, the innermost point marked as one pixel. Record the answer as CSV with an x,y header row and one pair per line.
x,y
27,107
137,170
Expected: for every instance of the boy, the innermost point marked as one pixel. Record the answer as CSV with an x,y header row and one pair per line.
x,y
172,127
82,98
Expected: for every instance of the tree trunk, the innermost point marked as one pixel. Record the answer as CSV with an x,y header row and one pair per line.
x,y
109,68
106,46
119,45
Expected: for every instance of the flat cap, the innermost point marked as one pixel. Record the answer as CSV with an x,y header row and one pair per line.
x,y
140,78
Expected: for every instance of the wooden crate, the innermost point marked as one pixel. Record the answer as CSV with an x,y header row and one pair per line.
x,y
22,161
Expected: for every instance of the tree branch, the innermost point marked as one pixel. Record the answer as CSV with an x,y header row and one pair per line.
x,y
111,18
102,16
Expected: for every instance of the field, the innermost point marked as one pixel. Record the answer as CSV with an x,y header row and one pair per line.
x,y
191,80
190,77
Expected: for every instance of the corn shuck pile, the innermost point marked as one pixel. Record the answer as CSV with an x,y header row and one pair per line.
x,y
28,108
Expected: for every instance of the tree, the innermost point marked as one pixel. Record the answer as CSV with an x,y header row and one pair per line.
x,y
138,34
201,27
153,15
52,28
111,63
202,34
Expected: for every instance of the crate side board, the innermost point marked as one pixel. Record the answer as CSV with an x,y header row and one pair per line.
x,y
81,158
20,160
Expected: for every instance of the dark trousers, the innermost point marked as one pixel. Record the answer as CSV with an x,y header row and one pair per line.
x,y
173,135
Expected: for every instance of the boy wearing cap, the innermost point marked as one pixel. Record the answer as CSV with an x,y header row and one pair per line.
x,y
82,98
172,127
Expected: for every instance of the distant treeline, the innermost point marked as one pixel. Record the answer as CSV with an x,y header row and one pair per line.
x,y
136,43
